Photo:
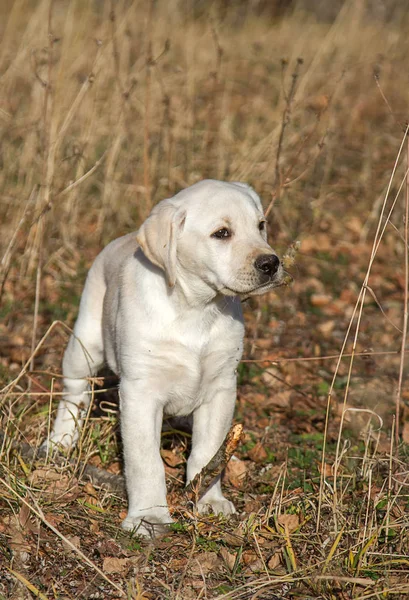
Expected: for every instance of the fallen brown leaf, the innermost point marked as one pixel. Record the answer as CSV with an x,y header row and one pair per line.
x,y
290,521
235,472
229,559
75,541
18,543
112,564
258,453
252,506
171,458
274,561
328,470
53,519
234,538
249,557
23,515
94,526
61,488
115,467
208,561
90,490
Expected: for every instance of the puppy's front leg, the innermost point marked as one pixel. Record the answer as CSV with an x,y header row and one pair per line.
x,y
211,423
141,422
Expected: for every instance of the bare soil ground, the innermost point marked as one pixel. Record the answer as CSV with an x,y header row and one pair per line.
x,y
106,108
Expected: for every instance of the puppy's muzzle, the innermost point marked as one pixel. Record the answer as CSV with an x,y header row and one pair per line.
x,y
267,264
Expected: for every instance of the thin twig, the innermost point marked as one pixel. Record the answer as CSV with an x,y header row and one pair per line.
x,y
276,361
360,302
98,477
5,262
146,130
81,179
39,513
215,466
10,386
115,50
405,307
48,173
286,118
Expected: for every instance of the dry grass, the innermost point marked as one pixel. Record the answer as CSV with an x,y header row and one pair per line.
x,y
106,108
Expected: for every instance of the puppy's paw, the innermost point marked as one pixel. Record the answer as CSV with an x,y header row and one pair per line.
x,y
150,526
53,446
216,506
49,448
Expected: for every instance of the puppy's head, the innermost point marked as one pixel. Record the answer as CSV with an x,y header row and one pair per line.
x,y
214,232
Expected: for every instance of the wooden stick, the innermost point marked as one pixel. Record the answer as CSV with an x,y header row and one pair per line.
x,y
215,466
116,483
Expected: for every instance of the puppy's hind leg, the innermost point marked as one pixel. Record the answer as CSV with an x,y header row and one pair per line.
x,y
83,358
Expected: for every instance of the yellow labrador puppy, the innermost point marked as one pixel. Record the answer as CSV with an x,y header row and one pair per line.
x,y
162,308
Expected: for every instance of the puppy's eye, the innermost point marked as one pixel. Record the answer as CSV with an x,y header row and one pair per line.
x,y
222,234
262,225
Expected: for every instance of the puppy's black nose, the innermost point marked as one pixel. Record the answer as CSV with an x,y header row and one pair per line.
x,y
267,264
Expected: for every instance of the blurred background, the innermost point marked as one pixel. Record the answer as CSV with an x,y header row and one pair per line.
x,y
109,107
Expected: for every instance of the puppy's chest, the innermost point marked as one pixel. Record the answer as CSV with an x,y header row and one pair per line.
x,y
195,337
199,357
190,380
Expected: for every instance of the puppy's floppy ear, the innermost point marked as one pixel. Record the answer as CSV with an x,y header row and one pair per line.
x,y
158,237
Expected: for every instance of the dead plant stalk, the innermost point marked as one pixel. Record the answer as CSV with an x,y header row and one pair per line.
x,y
48,172
359,303
405,303
39,513
146,131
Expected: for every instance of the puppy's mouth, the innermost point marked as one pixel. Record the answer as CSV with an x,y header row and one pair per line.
x,y
283,279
